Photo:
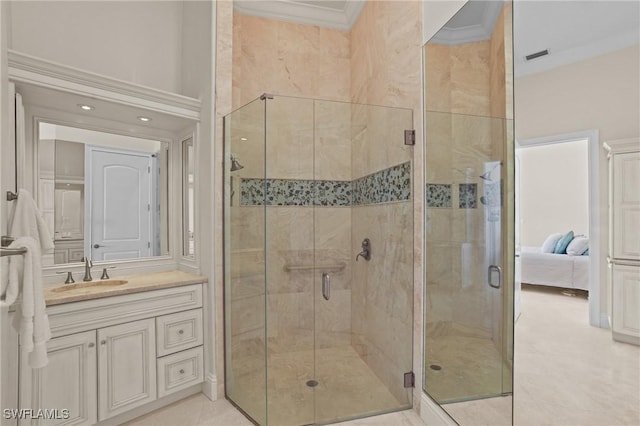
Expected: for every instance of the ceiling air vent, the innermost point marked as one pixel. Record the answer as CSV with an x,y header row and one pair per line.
x,y
537,54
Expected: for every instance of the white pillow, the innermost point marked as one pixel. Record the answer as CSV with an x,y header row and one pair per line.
x,y
578,245
550,243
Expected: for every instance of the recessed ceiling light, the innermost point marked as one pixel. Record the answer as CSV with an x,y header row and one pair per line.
x,y
145,119
86,107
243,139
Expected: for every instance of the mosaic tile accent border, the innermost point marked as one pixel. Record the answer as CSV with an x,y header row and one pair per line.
x,y
392,184
438,195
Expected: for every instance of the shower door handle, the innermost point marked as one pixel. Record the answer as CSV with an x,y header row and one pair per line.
x,y
494,276
326,286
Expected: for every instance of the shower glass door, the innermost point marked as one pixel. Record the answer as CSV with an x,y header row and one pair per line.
x,y
312,335
469,238
363,303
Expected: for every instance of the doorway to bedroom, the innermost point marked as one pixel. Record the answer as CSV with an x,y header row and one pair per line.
x,y
553,217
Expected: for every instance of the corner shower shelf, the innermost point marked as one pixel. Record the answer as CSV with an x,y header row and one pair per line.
x,y
334,267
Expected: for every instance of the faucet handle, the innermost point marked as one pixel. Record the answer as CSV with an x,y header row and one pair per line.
x,y
105,275
69,279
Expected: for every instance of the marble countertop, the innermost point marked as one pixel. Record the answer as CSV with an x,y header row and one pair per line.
x,y
96,289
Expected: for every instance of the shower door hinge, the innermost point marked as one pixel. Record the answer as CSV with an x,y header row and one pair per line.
x,y
266,96
409,137
409,380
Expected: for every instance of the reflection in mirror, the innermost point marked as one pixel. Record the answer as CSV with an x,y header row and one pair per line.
x,y
468,320
102,194
188,208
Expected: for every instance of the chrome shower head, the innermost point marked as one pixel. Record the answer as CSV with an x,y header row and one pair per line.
x,y
235,164
487,175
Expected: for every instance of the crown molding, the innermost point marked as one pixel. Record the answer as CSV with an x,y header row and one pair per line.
x,y
32,70
304,13
481,31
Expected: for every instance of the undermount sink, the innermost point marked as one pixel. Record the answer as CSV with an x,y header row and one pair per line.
x,y
89,284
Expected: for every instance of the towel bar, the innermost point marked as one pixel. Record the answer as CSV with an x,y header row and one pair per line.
x,y
12,251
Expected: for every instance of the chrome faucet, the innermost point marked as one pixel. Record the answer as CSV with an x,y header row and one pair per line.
x,y
87,269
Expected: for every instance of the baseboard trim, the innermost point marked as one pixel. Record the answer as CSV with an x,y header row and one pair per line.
x,y
432,414
604,321
210,387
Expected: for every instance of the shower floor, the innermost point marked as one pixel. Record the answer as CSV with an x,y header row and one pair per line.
x,y
471,367
346,387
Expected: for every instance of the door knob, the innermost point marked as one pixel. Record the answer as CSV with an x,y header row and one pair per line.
x,y
96,246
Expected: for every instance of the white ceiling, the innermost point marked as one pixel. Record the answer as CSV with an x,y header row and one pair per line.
x,y
571,30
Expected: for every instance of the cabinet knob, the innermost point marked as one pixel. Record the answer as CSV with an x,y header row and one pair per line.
x,y
104,342
180,331
182,371
91,344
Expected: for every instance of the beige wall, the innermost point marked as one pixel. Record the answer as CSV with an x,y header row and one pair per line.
x,y
598,93
116,39
554,191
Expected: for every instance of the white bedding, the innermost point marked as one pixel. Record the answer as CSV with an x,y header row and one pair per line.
x,y
557,270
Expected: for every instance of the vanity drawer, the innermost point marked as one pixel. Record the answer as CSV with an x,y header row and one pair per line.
x,y
179,331
180,371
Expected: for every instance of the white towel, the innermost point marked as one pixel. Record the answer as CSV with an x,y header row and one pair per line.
x,y
28,222
31,320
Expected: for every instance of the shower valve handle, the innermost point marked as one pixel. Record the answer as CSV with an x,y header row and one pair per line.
x,y
366,250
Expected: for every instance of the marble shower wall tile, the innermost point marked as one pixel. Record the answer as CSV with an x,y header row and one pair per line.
x,y
289,59
382,290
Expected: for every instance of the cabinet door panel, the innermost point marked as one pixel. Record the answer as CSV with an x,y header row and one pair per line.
x,y
68,382
126,363
626,206
626,303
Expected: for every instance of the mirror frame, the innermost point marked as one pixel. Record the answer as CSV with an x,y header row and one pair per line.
x,y
32,71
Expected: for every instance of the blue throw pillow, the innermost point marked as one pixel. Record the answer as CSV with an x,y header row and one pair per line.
x,y
563,243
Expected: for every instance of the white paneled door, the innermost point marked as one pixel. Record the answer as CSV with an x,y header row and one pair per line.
x,y
118,197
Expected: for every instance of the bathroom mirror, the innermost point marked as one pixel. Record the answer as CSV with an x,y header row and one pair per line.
x,y
469,249
188,198
102,194
102,176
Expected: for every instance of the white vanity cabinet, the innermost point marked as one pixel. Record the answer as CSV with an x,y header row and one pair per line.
x,y
112,355
624,241
68,382
126,367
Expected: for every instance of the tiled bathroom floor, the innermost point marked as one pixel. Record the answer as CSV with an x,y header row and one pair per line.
x,y
197,410
470,367
346,385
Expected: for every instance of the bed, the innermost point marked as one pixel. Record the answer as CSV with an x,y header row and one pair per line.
x,y
556,270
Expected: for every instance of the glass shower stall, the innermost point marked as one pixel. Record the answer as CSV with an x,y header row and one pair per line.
x,y
318,291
